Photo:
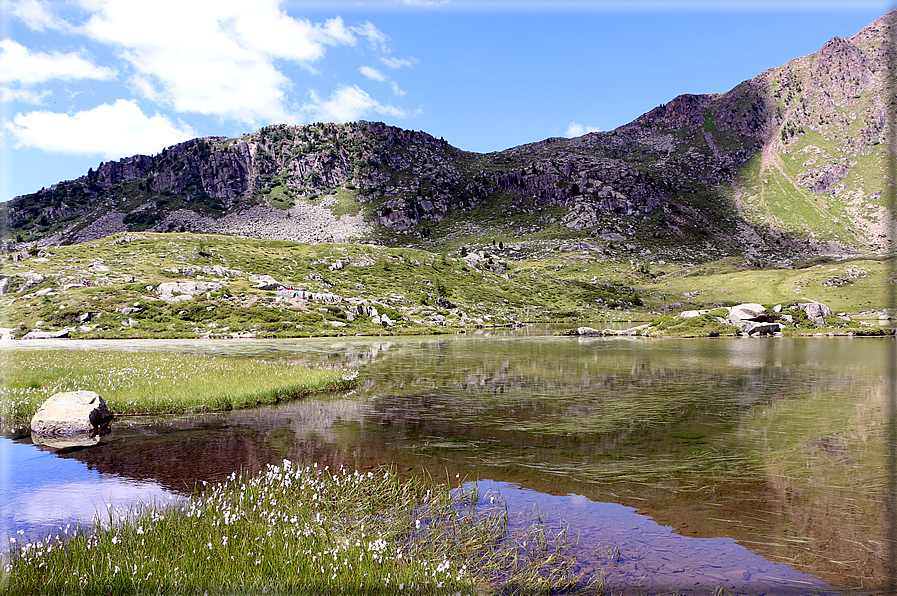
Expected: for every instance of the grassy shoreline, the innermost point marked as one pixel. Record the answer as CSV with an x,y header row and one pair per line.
x,y
304,529
152,383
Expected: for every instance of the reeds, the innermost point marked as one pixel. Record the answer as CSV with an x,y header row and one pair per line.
x,y
306,530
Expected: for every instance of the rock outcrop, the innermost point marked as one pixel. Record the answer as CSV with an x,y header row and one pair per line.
x,y
173,291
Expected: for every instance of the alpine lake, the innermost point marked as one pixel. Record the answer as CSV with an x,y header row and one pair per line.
x,y
755,466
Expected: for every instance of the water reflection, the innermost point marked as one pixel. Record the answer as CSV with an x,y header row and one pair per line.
x,y
43,494
776,444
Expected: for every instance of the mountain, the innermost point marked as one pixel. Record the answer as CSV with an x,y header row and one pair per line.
x,y
790,162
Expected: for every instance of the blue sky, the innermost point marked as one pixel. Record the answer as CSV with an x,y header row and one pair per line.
x,y
84,81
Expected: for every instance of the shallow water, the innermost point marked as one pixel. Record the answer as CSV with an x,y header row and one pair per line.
x,y
633,554
774,446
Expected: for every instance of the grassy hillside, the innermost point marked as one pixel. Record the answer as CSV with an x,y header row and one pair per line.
x,y
111,287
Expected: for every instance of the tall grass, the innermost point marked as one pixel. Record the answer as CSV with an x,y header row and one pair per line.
x,y
151,383
302,530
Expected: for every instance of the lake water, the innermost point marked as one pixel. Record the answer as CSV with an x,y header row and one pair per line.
x,y
757,465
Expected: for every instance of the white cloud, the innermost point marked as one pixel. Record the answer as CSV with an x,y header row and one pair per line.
x,y
375,75
396,89
376,37
346,104
575,129
372,73
216,57
19,65
22,95
36,16
391,62
115,130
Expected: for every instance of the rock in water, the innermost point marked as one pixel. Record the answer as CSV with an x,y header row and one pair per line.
x,y
71,412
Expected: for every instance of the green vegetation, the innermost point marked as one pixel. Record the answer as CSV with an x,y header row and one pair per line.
x,y
280,196
705,325
109,288
346,202
150,383
301,529
845,285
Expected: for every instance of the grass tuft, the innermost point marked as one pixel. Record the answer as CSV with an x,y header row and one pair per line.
x,y
151,383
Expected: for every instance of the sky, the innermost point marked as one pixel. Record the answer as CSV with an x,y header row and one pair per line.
x,y
86,81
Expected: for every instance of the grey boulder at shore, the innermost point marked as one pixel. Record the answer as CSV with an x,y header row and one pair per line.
x,y
71,412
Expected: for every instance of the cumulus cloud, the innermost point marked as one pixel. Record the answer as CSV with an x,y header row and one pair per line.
x,y
575,129
217,57
347,103
20,65
372,73
115,130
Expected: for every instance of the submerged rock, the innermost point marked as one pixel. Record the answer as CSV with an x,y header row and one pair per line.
x,y
71,413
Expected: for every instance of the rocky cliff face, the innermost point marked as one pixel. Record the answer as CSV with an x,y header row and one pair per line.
x,y
793,157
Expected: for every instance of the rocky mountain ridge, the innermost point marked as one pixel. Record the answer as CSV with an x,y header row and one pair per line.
x,y
792,161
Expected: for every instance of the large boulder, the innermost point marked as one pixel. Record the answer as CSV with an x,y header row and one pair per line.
x,y
743,315
816,312
71,412
748,311
31,279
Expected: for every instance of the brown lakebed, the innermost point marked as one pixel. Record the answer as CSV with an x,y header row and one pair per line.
x,y
773,445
